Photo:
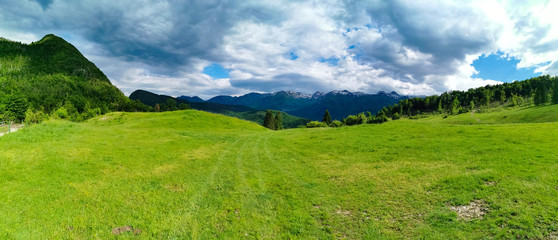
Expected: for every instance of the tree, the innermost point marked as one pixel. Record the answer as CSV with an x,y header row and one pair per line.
x,y
269,121
157,107
555,91
440,109
183,106
541,93
327,118
278,121
455,106
17,105
502,96
486,96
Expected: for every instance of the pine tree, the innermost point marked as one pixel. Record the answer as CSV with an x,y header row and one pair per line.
x,y
278,121
269,121
555,91
327,118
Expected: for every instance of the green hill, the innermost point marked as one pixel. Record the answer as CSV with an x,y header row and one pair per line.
x,y
529,114
237,111
49,74
197,175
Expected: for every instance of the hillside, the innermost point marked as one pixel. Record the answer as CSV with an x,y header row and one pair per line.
x,y
339,103
238,111
51,73
191,174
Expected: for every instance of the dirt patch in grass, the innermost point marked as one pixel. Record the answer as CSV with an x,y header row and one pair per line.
x,y
120,230
343,212
490,183
475,209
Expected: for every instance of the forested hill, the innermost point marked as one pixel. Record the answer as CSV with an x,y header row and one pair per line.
x,y
51,76
538,91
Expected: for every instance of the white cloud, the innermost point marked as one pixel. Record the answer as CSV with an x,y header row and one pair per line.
x,y
407,46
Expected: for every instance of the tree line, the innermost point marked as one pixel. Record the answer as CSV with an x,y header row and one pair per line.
x,y
538,91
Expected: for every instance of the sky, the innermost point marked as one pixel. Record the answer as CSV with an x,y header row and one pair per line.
x,y
209,47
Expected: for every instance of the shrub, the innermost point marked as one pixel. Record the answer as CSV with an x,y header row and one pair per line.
x,y
378,119
351,120
336,123
34,116
395,116
61,113
315,124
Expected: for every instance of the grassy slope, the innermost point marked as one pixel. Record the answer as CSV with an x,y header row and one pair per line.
x,y
198,175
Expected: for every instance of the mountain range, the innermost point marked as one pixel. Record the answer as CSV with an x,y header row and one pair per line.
x,y
312,106
238,111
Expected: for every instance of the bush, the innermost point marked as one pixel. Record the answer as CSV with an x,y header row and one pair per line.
x,y
395,116
61,113
34,116
351,120
336,123
378,119
315,124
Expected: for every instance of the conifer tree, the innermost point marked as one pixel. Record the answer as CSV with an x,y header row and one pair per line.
x,y
541,93
555,91
327,118
269,121
278,121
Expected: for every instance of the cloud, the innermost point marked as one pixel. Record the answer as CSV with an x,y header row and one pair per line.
x,y
44,3
407,46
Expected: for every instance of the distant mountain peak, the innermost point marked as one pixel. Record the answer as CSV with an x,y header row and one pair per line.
x,y
293,94
318,94
191,99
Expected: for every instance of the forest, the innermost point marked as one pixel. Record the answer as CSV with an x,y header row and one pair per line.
x,y
51,78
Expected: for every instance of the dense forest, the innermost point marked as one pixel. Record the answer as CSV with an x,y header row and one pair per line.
x,y
51,77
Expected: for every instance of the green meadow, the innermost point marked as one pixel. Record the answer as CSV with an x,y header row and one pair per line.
x,y
196,175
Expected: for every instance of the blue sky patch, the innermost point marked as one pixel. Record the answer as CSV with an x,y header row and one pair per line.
x,y
500,68
332,60
216,71
293,56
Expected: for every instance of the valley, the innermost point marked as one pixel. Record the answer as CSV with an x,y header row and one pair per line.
x,y
192,174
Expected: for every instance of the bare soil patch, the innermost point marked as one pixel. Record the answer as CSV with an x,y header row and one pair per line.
x,y
475,209
120,230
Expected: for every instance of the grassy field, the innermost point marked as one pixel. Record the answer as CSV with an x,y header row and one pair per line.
x,y
190,174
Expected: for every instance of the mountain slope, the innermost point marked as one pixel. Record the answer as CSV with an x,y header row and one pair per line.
x,y
191,99
51,73
339,103
238,111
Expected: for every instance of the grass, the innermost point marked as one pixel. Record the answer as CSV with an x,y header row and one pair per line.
x,y
197,175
